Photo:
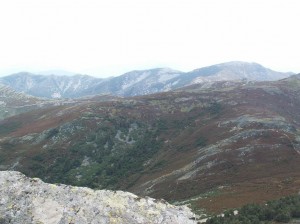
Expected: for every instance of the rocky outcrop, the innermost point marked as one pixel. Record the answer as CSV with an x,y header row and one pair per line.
x,y
26,200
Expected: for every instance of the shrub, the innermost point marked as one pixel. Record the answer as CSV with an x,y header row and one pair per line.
x,y
281,211
295,213
283,216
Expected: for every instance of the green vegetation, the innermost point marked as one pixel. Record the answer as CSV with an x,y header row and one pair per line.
x,y
7,128
201,141
101,158
52,132
278,211
215,108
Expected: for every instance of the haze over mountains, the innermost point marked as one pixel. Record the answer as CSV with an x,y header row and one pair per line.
x,y
223,136
135,82
213,146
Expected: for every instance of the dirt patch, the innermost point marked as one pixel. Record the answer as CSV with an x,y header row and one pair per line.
x,y
257,191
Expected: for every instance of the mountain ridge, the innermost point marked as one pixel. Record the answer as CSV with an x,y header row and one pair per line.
x,y
200,144
136,82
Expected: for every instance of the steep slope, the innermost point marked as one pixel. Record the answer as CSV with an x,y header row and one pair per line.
x,y
136,82
50,86
9,96
25,200
142,82
214,146
12,102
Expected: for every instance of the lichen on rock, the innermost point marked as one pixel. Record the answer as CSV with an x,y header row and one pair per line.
x,y
29,200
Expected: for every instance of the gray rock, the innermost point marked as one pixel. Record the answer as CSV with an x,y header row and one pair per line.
x,y
27,200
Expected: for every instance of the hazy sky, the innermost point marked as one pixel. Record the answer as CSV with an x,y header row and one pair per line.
x,y
106,38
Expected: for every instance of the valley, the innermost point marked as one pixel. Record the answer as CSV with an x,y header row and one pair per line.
x,y
214,145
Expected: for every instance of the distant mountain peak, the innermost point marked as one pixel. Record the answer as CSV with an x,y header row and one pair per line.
x,y
231,63
57,72
57,83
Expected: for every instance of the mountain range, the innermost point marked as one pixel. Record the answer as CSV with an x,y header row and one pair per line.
x,y
135,83
214,147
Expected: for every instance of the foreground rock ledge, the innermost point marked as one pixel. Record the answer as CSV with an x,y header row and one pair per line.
x,y
26,200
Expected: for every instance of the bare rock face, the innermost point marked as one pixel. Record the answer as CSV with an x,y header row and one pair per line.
x,y
26,200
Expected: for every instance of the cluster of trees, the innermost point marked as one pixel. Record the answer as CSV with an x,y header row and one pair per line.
x,y
110,160
281,211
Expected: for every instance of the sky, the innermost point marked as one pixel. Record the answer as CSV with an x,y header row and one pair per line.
x,y
111,37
